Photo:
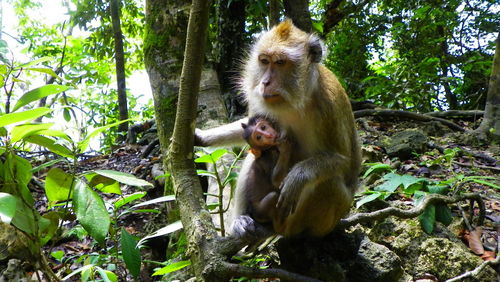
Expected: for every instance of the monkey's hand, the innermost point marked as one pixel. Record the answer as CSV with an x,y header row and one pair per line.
x,y
224,135
290,190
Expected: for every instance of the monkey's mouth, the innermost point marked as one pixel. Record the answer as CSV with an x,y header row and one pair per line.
x,y
272,98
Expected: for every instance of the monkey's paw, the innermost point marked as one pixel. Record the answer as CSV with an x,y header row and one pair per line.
x,y
290,191
248,229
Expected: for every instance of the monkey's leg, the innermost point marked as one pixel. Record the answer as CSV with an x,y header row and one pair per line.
x,y
249,230
283,164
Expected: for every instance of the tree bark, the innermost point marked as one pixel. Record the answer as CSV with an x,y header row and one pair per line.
x,y
274,12
195,218
298,11
490,126
164,39
114,7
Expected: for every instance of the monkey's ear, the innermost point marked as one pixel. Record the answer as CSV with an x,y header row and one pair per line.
x,y
316,49
244,125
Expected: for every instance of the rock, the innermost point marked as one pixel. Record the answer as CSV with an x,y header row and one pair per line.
x,y
404,144
14,272
441,254
13,243
341,256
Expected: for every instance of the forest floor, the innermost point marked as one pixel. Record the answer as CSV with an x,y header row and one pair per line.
x,y
446,155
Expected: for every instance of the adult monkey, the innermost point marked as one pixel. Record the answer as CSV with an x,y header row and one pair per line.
x,y
283,79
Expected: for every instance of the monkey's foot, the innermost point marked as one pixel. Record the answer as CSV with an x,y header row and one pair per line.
x,y
249,230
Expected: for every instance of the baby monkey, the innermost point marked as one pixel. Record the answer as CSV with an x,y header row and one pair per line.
x,y
272,161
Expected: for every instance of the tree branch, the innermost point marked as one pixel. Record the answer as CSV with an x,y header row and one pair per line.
x,y
414,212
408,115
475,273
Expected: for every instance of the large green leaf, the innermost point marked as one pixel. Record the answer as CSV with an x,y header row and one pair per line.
x,y
443,214
428,219
172,267
82,145
23,130
130,198
58,185
103,183
122,177
50,144
38,93
131,254
212,157
91,212
7,207
23,116
24,219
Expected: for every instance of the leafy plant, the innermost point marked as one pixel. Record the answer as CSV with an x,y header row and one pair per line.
x,y
228,177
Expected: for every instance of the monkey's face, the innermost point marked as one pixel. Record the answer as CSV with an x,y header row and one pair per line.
x,y
263,135
280,72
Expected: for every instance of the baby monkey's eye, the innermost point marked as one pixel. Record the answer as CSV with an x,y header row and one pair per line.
x,y
258,137
264,61
263,127
280,62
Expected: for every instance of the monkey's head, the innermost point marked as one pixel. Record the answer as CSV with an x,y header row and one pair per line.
x,y
260,134
282,68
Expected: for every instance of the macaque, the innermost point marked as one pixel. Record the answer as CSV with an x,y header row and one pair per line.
x,y
283,79
272,154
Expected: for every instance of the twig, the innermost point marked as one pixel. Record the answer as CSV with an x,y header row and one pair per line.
x,y
244,271
408,115
411,213
478,166
475,273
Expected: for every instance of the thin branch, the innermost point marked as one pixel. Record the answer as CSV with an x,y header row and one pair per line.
x,y
244,271
475,273
411,213
408,115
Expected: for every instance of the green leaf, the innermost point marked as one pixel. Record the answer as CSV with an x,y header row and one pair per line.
x,y
24,219
103,183
428,219
438,189
58,185
7,207
443,214
212,157
91,212
47,164
367,199
38,93
46,71
125,178
106,275
58,255
48,229
135,196
377,167
35,62
51,145
392,182
131,254
22,130
23,116
163,231
82,145
172,267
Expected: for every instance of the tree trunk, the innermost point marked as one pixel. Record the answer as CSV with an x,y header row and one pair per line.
x,y
298,11
114,7
231,39
490,126
195,219
274,12
164,39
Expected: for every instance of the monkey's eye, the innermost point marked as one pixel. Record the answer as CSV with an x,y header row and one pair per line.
x,y
264,61
280,62
263,127
258,137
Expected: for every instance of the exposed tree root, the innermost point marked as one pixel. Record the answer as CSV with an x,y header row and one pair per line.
x,y
414,212
475,273
408,115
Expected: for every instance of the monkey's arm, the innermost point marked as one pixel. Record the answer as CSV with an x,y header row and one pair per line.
x,y
309,172
224,135
283,164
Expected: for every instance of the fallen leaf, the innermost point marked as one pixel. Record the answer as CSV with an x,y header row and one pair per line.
x,y
475,243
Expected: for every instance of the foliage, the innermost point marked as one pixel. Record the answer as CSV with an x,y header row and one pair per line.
x,y
421,55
